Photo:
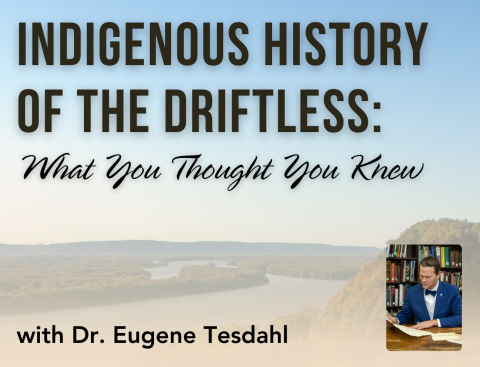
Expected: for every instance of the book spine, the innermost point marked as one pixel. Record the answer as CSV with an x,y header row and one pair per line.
x,y
388,269
442,255
447,258
401,271
400,294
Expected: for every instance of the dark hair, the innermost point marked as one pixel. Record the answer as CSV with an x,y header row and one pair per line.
x,y
431,262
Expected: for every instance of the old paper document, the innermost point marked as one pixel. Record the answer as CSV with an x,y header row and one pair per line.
x,y
410,331
449,337
445,336
457,340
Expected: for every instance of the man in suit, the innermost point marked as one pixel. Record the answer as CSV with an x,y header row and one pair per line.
x,y
432,302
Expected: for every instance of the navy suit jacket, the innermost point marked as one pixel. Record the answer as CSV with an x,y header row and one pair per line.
x,y
448,305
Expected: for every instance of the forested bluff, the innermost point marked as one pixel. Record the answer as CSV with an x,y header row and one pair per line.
x,y
358,310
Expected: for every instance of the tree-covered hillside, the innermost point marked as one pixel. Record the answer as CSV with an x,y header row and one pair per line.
x,y
360,307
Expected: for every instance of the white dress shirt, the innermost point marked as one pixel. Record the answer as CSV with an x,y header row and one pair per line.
x,y
430,301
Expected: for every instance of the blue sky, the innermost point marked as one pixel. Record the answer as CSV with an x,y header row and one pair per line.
x,y
428,116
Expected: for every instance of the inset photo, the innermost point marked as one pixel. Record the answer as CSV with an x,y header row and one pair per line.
x,y
424,297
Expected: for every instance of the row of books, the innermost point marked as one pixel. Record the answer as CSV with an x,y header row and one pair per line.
x,y
397,251
396,294
452,278
446,257
402,271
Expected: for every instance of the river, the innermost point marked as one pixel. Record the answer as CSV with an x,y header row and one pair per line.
x,y
256,305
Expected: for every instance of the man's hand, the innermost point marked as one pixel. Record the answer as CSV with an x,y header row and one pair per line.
x,y
393,321
425,324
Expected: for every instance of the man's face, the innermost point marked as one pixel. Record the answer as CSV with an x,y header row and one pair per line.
x,y
428,277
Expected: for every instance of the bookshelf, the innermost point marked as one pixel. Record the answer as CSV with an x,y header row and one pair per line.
x,y
402,269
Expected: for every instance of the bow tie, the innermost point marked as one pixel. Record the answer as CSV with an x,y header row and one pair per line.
x,y
428,291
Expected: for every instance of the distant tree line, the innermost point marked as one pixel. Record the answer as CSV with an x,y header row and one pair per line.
x,y
324,267
39,283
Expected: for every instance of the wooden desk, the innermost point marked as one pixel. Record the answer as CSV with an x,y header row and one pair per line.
x,y
398,340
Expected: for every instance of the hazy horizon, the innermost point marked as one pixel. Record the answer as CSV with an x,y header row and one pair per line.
x,y
200,241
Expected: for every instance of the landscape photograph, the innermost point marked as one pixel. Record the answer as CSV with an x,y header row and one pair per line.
x,y
234,182
319,292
